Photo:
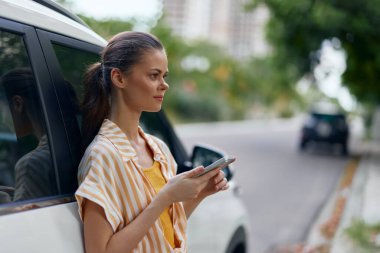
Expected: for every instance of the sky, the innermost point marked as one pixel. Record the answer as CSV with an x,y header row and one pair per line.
x,y
124,9
329,74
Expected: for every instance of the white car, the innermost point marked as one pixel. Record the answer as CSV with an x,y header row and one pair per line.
x,y
44,50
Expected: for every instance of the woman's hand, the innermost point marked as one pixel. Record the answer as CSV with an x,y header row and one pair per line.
x,y
207,184
215,184
185,186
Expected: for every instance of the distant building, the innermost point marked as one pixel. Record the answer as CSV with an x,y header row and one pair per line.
x,y
223,22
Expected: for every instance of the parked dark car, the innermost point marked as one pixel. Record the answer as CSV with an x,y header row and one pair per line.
x,y
322,127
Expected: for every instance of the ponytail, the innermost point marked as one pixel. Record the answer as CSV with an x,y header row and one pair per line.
x,y
95,106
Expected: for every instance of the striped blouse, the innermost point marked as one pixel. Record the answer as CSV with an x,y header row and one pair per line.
x,y
109,175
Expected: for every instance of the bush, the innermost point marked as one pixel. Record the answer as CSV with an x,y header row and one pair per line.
x,y
190,107
365,236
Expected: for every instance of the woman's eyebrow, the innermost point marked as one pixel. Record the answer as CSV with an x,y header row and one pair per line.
x,y
159,70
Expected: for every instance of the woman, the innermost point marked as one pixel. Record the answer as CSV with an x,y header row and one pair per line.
x,y
130,198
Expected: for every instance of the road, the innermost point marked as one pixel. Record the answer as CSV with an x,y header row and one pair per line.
x,y
283,189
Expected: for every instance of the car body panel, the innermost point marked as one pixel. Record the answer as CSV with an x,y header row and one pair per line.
x,y
32,13
330,128
50,229
213,215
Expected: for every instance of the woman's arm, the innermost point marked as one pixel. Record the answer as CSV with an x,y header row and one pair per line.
x,y
98,233
190,206
215,184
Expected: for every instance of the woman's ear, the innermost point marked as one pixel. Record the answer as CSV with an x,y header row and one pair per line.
x,y
118,78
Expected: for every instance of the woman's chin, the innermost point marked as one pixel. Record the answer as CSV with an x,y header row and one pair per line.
x,y
156,109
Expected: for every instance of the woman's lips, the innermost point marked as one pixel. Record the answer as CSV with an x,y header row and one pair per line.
x,y
159,98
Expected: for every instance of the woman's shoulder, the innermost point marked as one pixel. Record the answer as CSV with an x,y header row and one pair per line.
x,y
99,156
100,146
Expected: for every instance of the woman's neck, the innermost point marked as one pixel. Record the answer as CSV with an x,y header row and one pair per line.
x,y
127,121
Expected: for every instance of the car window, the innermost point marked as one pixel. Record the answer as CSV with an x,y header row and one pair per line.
x,y
73,63
26,167
333,119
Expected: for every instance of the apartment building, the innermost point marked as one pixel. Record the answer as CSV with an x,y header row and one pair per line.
x,y
223,22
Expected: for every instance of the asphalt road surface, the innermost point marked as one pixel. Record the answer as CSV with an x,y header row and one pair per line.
x,y
283,189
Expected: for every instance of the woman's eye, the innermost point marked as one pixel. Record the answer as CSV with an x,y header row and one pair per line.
x,y
154,76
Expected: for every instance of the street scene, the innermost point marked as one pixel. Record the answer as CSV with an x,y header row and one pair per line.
x,y
284,189
109,109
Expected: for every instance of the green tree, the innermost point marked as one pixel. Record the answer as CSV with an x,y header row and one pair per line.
x,y
225,90
194,95
297,28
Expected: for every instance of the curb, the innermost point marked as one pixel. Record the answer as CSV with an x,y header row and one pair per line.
x,y
340,243
315,238
355,201
324,229
362,203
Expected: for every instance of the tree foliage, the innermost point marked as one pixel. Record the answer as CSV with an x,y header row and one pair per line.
x,y
297,28
226,89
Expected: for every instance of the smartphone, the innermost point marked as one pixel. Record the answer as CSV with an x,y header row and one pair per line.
x,y
221,163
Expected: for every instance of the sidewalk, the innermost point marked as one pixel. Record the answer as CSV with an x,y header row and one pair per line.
x,y
361,201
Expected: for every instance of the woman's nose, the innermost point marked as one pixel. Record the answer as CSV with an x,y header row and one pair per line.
x,y
164,85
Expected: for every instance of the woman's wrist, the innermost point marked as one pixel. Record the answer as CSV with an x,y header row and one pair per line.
x,y
201,197
164,197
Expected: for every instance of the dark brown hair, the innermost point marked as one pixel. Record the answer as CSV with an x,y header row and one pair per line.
x,y
123,51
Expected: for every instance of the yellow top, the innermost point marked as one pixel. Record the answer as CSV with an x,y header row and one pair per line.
x,y
157,180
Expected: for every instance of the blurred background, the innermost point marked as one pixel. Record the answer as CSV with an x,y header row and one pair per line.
x,y
288,87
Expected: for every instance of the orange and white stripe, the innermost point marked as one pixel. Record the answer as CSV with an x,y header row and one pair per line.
x,y
109,175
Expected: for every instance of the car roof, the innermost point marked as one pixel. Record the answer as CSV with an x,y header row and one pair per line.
x,y
51,19
59,8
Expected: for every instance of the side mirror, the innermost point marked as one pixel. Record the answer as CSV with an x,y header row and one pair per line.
x,y
205,155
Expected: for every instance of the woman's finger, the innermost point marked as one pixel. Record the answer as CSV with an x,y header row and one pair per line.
x,y
194,172
225,187
221,184
209,175
219,177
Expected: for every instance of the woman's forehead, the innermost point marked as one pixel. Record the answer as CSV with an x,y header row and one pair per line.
x,y
154,58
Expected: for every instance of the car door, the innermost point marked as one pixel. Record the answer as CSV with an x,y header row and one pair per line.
x,y
37,212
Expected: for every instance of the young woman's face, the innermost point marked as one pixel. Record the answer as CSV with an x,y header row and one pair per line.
x,y
146,85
